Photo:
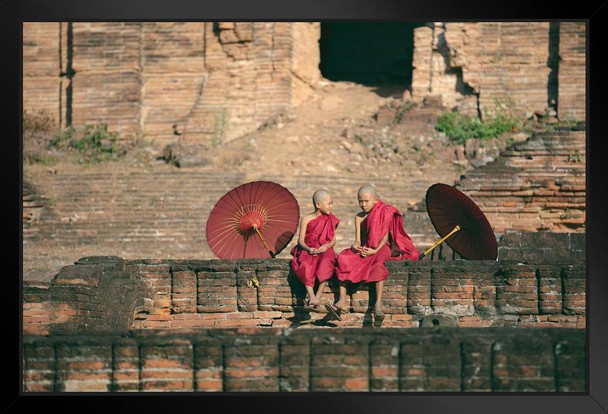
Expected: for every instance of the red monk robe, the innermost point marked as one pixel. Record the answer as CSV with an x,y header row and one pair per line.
x,y
381,219
319,231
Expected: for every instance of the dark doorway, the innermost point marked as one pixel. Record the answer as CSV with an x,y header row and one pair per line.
x,y
370,53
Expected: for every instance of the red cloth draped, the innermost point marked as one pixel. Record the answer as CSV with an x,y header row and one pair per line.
x,y
319,231
382,219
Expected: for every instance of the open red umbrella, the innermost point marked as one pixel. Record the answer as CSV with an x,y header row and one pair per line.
x,y
460,223
254,220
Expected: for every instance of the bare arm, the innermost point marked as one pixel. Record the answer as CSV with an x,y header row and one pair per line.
x,y
302,236
332,243
356,246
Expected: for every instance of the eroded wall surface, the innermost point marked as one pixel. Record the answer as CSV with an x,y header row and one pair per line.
x,y
540,66
202,82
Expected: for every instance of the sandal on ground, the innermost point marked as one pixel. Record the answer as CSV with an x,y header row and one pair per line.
x,y
312,308
334,311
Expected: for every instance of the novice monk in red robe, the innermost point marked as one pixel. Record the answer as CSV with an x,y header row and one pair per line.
x,y
379,236
314,256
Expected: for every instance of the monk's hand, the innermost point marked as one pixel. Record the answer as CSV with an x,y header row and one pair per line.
x,y
367,251
313,251
322,249
355,249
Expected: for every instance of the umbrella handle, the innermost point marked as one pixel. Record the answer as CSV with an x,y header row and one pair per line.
x,y
438,243
263,241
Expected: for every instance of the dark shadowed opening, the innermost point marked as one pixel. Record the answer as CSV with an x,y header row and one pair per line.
x,y
370,53
553,63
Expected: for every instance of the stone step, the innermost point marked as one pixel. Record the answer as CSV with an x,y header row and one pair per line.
x,y
166,212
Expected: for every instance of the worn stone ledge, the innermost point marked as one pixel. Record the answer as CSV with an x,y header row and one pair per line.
x,y
107,293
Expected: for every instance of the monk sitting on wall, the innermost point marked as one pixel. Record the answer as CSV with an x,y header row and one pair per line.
x,y
379,236
314,256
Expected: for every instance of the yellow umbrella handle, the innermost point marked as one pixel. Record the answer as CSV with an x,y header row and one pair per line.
x,y
438,243
263,241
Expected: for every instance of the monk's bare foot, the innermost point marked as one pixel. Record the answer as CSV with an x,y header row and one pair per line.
x,y
320,296
341,305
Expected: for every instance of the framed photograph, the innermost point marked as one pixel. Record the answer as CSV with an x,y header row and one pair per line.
x,y
173,159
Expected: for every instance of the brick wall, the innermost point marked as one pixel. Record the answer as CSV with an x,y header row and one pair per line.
x,y
43,87
488,60
276,360
217,81
208,81
572,66
543,247
102,294
107,79
306,59
535,185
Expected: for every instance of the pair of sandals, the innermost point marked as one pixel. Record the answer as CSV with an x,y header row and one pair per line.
x,y
336,312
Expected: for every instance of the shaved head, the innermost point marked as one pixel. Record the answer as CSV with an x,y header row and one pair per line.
x,y
367,197
367,189
319,195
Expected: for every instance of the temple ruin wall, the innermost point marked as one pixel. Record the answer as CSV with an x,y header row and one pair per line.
x,y
214,81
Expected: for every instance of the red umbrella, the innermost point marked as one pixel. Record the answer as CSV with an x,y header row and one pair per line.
x,y
459,220
253,220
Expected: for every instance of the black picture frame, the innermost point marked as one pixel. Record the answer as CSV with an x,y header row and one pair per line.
x,y
595,13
